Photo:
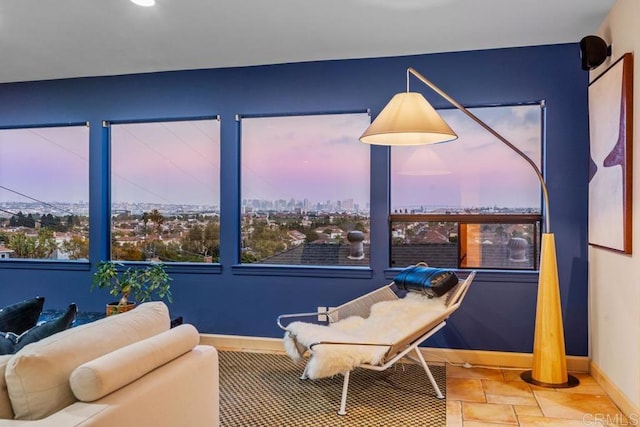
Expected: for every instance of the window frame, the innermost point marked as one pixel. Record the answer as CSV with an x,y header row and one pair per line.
x,y
56,264
461,218
302,270
171,266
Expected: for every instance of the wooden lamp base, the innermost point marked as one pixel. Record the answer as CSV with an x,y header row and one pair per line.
x,y
571,381
549,367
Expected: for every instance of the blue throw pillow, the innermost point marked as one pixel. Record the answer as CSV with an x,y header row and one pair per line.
x,y
21,316
433,282
47,329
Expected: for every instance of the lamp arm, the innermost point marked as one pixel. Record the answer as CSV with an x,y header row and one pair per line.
x,y
489,129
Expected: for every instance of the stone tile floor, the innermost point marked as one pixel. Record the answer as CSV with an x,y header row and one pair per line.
x,y
498,397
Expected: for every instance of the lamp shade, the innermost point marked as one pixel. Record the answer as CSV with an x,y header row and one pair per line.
x,y
408,119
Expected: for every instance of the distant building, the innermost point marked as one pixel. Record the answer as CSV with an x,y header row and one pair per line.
x,y
297,238
443,255
5,252
318,254
434,236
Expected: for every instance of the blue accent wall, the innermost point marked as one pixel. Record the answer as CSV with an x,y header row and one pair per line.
x,y
499,311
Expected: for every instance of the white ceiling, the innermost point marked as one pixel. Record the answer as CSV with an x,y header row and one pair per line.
x,y
51,39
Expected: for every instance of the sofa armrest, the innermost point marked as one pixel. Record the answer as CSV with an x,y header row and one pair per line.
x,y
99,377
183,392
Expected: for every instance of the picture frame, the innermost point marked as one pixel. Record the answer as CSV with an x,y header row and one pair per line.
x,y
610,157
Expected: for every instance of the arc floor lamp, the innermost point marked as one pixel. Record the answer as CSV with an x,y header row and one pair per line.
x,y
408,119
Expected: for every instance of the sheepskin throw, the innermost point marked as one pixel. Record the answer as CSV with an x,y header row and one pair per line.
x,y
388,322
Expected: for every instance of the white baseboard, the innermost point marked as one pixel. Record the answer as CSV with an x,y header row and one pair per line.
x,y
243,343
491,359
496,359
627,407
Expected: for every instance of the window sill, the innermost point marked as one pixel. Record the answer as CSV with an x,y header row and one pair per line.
x,y
44,264
495,276
301,271
181,267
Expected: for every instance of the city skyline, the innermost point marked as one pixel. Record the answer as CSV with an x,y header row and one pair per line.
x,y
82,207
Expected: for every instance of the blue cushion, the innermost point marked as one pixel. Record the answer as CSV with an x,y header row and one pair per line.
x,y
7,343
433,282
48,328
21,316
11,343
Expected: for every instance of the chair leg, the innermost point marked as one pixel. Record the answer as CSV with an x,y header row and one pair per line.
x,y
304,375
345,388
428,371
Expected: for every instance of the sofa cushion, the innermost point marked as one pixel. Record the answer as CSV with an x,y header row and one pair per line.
x,y
21,316
106,374
6,412
38,376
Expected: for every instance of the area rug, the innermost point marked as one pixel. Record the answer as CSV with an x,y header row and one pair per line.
x,y
265,390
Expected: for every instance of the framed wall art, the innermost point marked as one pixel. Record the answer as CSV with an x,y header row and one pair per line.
x,y
610,160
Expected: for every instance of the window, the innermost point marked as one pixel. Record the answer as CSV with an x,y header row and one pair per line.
x,y
305,190
473,202
165,191
44,192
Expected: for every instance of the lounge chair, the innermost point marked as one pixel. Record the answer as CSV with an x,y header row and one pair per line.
x,y
399,321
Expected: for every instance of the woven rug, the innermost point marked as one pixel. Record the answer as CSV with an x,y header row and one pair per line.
x,y
265,390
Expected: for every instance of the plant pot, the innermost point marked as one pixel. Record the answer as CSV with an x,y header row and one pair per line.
x,y
116,307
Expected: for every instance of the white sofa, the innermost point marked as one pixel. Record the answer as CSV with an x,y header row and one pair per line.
x,y
130,369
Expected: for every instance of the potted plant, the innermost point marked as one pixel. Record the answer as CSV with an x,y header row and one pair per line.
x,y
138,283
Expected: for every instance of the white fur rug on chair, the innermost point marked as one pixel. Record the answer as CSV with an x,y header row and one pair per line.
x,y
388,322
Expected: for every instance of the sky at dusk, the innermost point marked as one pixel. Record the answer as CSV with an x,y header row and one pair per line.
x,y
47,164
166,162
315,157
476,169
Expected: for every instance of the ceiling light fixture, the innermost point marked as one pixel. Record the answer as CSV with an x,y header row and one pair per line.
x,y
145,3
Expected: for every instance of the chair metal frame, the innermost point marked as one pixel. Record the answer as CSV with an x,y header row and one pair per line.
x,y
407,346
